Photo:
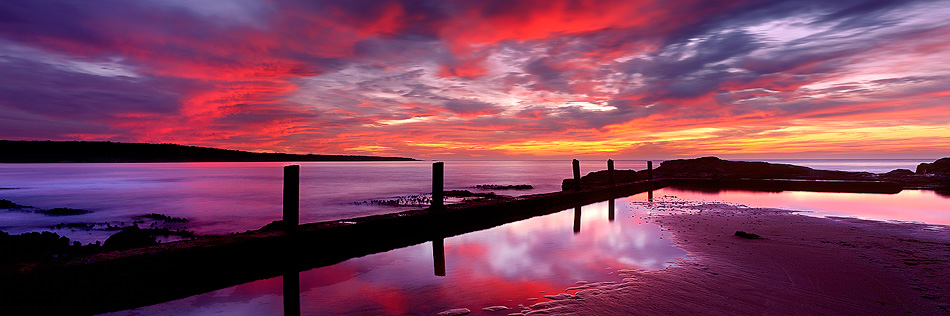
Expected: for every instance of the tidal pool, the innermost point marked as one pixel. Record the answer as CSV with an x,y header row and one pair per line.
x,y
509,265
518,264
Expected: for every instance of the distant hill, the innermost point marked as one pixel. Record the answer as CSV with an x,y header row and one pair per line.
x,y
104,152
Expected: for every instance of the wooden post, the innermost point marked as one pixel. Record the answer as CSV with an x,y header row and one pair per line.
x,y
610,171
577,174
438,256
577,220
649,170
650,196
610,210
438,172
291,197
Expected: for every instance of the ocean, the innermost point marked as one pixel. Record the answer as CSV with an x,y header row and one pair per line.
x,y
220,198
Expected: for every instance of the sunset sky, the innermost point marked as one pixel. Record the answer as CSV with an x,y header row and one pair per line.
x,y
487,79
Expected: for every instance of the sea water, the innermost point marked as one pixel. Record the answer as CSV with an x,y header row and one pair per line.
x,y
219,198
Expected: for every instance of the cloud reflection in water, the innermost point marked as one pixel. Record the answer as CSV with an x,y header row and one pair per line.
x,y
506,265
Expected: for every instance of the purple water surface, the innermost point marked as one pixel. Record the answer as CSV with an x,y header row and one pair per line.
x,y
508,265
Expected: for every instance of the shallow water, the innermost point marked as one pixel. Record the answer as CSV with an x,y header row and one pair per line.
x,y
909,205
521,262
512,264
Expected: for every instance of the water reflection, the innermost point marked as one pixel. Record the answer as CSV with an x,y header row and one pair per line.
x,y
577,220
438,256
610,209
507,265
291,291
908,205
517,262
221,198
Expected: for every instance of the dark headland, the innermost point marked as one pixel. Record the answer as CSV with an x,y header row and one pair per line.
x,y
803,265
111,152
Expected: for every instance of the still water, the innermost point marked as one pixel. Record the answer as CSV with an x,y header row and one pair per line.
x,y
922,206
220,198
520,263
508,265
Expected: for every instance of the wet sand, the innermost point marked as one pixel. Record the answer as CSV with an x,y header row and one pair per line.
x,y
802,265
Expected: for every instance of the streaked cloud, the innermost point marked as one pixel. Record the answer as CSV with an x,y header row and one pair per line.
x,y
640,79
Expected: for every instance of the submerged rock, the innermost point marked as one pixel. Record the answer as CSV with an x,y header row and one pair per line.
x,y
164,218
10,205
63,211
495,308
747,235
504,187
561,296
455,311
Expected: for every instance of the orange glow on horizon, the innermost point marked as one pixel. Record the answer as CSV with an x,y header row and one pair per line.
x,y
462,79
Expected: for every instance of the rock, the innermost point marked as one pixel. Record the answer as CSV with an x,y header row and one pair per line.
x,y
32,245
715,168
899,173
561,296
130,237
63,211
455,311
568,184
495,308
602,177
747,235
504,187
10,205
164,218
274,226
941,165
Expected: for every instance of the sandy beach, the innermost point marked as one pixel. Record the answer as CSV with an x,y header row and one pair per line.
x,y
801,265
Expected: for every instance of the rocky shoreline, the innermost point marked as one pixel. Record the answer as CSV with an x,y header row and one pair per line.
x,y
928,176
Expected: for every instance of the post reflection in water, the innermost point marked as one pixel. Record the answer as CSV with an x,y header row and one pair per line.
x,y
438,256
291,292
611,205
577,220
